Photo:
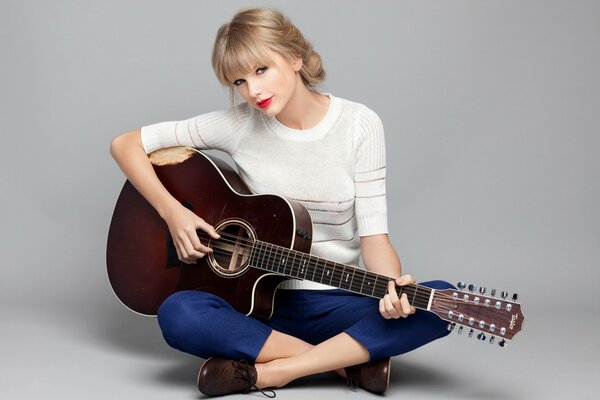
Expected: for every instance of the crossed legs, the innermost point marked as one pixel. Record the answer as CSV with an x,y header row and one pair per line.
x,y
284,358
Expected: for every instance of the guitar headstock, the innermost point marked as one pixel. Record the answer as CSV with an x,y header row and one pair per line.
x,y
489,318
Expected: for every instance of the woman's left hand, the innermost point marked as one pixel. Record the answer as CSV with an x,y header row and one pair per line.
x,y
393,307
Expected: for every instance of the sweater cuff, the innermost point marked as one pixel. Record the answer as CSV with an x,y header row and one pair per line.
x,y
372,225
151,134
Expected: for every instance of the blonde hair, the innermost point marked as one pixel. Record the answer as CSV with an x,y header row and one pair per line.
x,y
243,44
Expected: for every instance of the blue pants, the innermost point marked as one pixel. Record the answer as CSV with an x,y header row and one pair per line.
x,y
205,325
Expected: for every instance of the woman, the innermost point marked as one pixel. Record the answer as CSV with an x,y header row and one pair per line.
x,y
324,151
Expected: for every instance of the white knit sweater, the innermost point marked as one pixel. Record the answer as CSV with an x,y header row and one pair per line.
x,y
336,169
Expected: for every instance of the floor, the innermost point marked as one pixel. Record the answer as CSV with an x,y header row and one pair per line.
x,y
103,351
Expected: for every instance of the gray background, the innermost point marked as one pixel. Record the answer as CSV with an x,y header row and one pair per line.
x,y
491,118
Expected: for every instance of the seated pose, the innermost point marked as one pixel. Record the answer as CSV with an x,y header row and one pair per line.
x,y
327,153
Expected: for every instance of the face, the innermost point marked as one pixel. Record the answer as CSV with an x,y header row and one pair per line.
x,y
270,87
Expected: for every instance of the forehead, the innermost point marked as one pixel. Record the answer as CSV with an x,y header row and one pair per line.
x,y
246,60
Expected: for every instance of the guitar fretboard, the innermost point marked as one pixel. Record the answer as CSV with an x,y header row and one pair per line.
x,y
295,264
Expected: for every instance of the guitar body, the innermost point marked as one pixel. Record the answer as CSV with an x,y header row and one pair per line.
x,y
142,263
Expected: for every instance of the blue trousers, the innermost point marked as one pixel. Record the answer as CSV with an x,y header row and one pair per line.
x,y
205,325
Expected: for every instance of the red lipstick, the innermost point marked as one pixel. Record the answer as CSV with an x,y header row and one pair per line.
x,y
264,103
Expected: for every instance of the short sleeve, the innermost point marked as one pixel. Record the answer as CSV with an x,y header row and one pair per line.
x,y
215,130
369,175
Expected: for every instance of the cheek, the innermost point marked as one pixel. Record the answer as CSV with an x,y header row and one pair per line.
x,y
243,91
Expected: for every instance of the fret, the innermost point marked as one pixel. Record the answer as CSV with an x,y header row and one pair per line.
x,y
293,269
374,284
284,260
312,268
322,271
357,280
423,298
254,254
347,275
260,254
367,286
280,260
328,272
336,276
381,290
303,266
270,265
414,295
273,258
300,265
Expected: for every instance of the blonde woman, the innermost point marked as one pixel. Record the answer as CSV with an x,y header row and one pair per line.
x,y
327,153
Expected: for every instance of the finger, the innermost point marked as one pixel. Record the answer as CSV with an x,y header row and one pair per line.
x,y
405,280
389,307
197,244
393,293
407,309
188,253
208,228
382,311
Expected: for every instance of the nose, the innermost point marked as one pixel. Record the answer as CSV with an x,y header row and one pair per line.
x,y
253,88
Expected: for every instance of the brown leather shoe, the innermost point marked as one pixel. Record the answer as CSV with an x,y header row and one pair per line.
x,y
218,376
375,377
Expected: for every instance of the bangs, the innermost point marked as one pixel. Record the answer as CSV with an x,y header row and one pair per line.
x,y
237,56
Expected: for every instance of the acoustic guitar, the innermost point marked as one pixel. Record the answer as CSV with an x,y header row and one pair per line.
x,y
265,239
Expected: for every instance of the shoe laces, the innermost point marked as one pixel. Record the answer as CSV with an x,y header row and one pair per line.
x,y
352,383
242,371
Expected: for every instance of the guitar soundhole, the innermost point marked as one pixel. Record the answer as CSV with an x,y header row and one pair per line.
x,y
231,253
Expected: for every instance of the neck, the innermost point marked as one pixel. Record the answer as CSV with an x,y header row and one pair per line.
x,y
305,109
292,263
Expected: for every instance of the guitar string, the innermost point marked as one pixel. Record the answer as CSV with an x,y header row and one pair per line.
x,y
444,303
295,265
382,286
379,285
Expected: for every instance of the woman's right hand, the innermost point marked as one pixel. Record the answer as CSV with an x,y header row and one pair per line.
x,y
183,224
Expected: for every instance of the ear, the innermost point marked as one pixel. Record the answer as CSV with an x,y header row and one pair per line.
x,y
297,64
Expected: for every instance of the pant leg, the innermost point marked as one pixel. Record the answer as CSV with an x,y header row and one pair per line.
x,y
317,315
205,325
389,337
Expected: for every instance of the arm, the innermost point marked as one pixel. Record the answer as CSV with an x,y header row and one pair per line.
x,y
380,257
129,153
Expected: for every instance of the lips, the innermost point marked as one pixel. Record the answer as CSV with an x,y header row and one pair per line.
x,y
264,103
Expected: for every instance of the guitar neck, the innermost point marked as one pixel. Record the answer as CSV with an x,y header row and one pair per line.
x,y
295,264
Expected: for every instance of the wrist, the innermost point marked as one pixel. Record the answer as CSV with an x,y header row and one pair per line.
x,y
166,208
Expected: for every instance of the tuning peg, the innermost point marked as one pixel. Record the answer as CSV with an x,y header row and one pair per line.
x,y
471,333
481,336
450,327
492,339
460,329
482,290
504,294
515,296
493,292
472,287
461,285
502,343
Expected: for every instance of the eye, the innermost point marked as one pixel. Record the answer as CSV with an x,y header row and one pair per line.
x,y
238,82
261,70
